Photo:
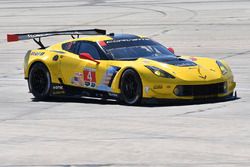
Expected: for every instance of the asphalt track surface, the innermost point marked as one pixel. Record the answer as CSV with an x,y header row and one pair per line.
x,y
91,133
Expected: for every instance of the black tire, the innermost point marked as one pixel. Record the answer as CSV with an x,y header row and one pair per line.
x,y
131,87
39,81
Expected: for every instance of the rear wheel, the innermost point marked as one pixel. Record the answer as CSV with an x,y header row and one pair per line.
x,y
131,87
39,81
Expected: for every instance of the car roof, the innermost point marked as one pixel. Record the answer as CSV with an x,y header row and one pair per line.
x,y
111,36
96,38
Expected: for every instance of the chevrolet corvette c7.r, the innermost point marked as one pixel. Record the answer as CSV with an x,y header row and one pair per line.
x,y
120,66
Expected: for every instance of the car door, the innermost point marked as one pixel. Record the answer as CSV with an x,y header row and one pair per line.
x,y
81,72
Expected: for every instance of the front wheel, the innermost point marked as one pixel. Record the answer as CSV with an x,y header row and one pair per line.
x,y
39,81
131,87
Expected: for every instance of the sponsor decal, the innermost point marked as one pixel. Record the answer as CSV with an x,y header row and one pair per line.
x,y
77,79
127,40
157,87
57,89
58,92
147,89
112,94
37,53
193,59
102,43
89,77
57,51
107,79
37,35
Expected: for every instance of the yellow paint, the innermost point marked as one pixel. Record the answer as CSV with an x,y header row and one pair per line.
x,y
68,64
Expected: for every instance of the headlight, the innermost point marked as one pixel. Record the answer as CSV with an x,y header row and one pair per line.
x,y
159,72
223,68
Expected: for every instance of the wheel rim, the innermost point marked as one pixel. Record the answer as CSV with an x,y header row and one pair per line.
x,y
130,88
39,81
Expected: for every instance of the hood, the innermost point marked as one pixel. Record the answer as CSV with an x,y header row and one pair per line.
x,y
173,60
186,69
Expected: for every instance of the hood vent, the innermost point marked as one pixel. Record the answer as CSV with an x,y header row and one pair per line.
x,y
172,60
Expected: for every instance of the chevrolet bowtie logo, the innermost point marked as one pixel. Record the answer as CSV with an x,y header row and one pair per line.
x,y
201,76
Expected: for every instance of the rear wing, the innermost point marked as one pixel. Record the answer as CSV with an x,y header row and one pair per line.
x,y
37,36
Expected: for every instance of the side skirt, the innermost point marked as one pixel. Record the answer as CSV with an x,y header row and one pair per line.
x,y
73,91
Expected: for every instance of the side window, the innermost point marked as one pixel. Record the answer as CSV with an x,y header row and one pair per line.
x,y
70,47
89,48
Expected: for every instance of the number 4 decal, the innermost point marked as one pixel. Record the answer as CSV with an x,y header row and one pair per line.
x,y
89,77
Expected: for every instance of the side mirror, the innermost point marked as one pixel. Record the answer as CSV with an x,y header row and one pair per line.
x,y
171,50
88,57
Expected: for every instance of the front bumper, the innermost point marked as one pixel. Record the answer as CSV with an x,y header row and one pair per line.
x,y
164,101
189,91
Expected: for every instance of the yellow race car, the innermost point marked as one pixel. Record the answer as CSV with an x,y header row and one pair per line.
x,y
120,66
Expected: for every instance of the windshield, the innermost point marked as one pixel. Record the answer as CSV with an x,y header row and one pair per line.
x,y
134,48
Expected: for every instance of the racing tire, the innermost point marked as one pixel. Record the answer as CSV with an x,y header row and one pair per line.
x,y
39,81
131,88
